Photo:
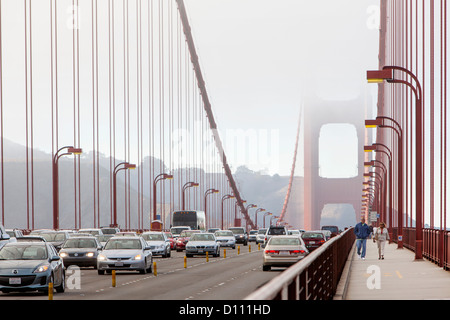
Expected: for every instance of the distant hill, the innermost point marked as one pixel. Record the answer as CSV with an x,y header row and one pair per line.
x,y
264,190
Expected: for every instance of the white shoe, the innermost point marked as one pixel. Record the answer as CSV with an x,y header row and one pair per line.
x,y
364,258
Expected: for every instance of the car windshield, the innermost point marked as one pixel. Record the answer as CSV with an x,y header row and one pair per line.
x,y
93,232
104,238
284,241
202,237
262,231
187,233
310,235
224,233
80,243
178,230
53,236
23,252
153,237
109,231
331,228
276,231
114,244
238,231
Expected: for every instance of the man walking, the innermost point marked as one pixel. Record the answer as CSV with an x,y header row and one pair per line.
x,y
362,232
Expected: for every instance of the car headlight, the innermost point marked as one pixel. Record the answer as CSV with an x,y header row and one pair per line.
x,y
90,254
41,269
137,257
63,254
101,257
162,246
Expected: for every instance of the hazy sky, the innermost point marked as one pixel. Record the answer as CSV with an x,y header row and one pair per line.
x,y
259,59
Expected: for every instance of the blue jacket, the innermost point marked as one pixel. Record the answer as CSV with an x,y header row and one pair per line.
x,y
362,231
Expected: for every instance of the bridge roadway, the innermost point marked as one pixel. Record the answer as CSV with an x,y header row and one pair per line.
x,y
222,278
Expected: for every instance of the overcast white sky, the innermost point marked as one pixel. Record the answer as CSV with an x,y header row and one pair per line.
x,y
259,59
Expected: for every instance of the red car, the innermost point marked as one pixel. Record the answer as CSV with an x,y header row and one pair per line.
x,y
171,239
184,237
313,239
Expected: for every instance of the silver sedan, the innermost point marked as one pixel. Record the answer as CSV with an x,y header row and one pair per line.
x,y
125,253
201,243
283,251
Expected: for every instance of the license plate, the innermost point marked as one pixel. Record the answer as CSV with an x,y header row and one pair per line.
x,y
311,242
200,251
15,280
284,253
119,264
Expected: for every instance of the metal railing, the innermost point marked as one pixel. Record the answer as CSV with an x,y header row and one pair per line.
x,y
436,244
313,278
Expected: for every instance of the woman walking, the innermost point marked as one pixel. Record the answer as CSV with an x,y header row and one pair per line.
x,y
381,236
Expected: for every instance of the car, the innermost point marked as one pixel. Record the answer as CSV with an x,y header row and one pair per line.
x,y
213,230
327,233
201,243
125,253
313,239
104,238
226,238
109,230
261,235
30,266
126,234
30,239
252,235
283,251
93,231
171,239
294,233
158,242
274,231
333,229
56,238
14,233
80,251
240,235
181,241
4,237
176,231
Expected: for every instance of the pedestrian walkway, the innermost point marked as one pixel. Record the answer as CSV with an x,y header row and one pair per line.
x,y
398,277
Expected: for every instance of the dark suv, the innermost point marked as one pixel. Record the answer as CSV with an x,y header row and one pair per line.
x,y
240,235
274,231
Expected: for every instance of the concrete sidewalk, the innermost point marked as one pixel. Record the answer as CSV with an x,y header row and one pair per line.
x,y
398,277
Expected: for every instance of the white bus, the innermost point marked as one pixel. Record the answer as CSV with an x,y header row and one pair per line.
x,y
191,218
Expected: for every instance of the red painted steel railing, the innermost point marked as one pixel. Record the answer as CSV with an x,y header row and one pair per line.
x,y
315,277
436,244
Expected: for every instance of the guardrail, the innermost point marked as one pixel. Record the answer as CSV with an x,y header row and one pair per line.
x,y
436,244
313,278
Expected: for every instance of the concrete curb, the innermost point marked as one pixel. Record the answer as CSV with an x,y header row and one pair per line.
x,y
341,290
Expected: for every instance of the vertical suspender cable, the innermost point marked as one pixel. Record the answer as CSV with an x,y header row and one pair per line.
x,y
207,105
1,122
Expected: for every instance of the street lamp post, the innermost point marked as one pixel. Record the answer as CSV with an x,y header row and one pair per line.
x,y
256,215
225,197
246,211
186,186
126,166
207,193
162,176
379,122
387,74
55,178
264,218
